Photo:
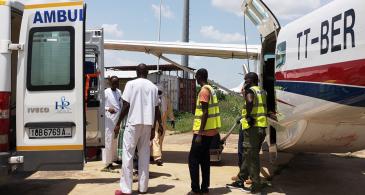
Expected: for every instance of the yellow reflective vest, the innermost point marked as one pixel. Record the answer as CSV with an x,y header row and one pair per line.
x,y
259,110
214,119
244,122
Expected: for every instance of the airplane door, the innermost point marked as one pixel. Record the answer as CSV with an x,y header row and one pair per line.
x,y
261,16
50,101
268,26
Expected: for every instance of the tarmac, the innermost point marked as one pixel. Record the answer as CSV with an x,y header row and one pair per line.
x,y
290,174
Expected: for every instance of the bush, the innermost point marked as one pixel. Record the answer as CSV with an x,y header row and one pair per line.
x,y
230,108
220,94
183,122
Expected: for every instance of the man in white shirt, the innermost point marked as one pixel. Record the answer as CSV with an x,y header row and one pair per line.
x,y
113,107
140,102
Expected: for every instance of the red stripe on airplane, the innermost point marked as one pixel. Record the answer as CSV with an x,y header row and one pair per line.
x,y
348,73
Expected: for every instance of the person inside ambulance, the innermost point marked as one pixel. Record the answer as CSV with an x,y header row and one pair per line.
x,y
113,107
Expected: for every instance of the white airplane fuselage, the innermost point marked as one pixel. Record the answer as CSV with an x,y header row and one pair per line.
x,y
320,85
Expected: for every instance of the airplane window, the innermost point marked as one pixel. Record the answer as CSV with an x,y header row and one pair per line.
x,y
280,54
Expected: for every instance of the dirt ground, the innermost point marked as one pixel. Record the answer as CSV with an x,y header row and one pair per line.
x,y
294,174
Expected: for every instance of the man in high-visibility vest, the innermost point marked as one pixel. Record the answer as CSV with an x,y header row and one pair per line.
x,y
254,123
206,125
239,121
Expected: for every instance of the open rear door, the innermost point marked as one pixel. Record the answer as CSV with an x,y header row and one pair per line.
x,y
50,102
261,16
94,90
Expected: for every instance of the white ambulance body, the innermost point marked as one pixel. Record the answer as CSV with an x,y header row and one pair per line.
x,y
42,91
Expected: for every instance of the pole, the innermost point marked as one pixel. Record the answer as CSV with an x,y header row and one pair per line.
x,y
159,39
185,35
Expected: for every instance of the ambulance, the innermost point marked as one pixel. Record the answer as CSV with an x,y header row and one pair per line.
x,y
51,86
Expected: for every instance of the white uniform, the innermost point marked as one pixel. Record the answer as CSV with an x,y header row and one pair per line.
x,y
142,95
112,100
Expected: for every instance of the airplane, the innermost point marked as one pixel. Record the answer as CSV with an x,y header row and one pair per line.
x,y
315,81
312,68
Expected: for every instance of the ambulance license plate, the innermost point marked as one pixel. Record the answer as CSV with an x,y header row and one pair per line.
x,y
63,132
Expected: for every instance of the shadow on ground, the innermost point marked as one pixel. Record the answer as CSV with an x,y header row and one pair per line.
x,y
162,188
44,186
154,175
321,174
181,157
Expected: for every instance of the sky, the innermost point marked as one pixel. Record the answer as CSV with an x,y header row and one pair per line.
x,y
211,21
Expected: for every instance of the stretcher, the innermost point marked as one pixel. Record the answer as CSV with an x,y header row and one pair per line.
x,y
217,145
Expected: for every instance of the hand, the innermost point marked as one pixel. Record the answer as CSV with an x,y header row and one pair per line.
x,y
250,121
238,121
152,134
198,139
116,130
111,110
272,115
243,91
222,141
160,130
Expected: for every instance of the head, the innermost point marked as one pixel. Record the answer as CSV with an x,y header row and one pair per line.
x,y
142,71
114,82
251,79
201,76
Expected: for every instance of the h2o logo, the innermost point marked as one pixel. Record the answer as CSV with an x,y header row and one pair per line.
x,y
63,106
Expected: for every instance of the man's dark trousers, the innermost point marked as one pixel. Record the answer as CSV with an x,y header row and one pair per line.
x,y
199,155
240,147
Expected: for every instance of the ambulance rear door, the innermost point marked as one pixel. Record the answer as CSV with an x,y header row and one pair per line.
x,y
50,85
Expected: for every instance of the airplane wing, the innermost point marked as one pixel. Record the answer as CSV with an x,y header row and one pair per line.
x,y
225,51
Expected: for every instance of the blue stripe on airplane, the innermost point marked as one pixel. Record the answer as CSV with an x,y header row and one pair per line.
x,y
352,96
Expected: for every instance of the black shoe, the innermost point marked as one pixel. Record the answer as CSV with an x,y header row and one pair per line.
x,y
193,193
119,162
159,162
235,185
255,188
108,168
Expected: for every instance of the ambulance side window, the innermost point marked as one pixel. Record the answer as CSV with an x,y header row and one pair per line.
x,y
280,54
51,59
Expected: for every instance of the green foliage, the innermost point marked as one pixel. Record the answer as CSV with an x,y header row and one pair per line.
x,y
183,122
220,95
230,109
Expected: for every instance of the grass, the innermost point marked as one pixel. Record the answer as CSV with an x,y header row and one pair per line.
x,y
230,109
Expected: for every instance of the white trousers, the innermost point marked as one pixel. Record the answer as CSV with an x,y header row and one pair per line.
x,y
135,136
110,147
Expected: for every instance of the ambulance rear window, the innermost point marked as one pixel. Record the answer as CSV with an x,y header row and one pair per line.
x,y
51,59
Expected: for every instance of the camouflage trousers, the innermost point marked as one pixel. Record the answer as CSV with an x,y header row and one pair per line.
x,y
252,142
